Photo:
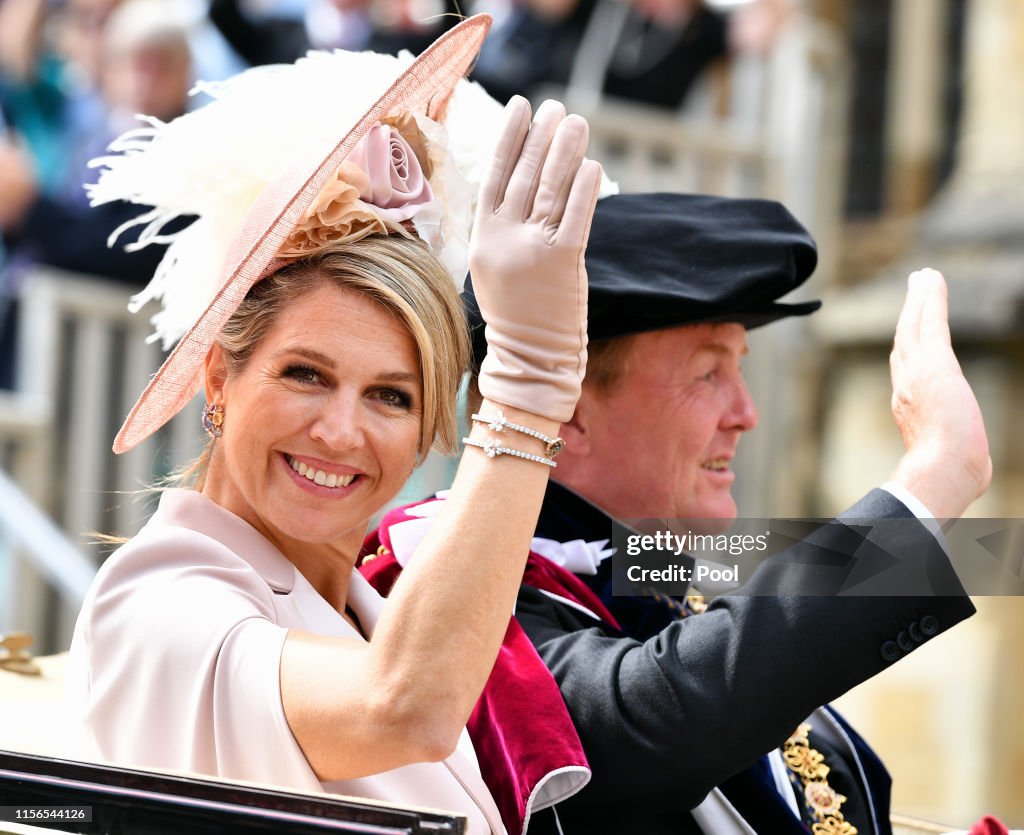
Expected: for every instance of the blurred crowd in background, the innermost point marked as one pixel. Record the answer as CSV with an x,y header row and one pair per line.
x,y
74,74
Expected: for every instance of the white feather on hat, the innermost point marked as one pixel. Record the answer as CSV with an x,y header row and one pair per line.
x,y
215,161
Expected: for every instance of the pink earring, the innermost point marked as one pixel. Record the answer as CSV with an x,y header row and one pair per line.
x,y
213,420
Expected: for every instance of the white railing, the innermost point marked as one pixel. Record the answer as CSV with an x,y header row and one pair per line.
x,y
27,530
82,361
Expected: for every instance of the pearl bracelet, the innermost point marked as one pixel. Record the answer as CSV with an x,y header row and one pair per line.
x,y
493,448
498,422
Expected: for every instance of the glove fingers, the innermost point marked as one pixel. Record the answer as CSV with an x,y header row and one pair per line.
x,y
560,167
506,153
522,186
574,227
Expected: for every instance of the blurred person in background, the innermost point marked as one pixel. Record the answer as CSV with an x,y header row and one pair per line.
x,y
648,51
263,32
143,65
50,58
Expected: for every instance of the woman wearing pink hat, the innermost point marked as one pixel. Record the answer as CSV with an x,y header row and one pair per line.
x,y
313,302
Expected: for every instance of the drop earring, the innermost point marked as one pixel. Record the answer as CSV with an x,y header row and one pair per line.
x,y
213,420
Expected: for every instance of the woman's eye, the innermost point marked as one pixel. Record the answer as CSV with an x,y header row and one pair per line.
x,y
302,374
710,376
395,397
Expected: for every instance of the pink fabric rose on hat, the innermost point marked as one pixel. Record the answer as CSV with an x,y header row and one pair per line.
x,y
397,186
381,180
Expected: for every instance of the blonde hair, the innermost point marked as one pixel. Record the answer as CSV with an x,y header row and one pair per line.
x,y
400,274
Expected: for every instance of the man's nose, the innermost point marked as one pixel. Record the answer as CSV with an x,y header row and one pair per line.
x,y
742,413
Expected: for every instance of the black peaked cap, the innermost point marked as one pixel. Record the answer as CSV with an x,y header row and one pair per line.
x,y
662,260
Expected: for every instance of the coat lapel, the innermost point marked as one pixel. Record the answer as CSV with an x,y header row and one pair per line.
x,y
469,778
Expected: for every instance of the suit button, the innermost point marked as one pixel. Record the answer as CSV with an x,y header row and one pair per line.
x,y
915,633
929,626
890,652
905,644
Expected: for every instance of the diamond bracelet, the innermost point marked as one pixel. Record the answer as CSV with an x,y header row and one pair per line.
x,y
498,422
493,448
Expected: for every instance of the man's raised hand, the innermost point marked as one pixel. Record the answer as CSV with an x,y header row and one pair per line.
x,y
946,464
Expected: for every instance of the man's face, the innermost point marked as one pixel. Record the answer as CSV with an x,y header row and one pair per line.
x,y
663,438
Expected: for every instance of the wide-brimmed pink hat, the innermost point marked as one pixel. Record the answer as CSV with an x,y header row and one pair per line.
x,y
270,215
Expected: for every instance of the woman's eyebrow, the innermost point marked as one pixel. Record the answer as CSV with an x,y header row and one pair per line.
x,y
399,377
327,362
308,353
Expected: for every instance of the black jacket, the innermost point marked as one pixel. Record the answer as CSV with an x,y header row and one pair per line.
x,y
669,709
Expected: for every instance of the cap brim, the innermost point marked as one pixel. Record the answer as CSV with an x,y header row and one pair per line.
x,y
424,87
653,317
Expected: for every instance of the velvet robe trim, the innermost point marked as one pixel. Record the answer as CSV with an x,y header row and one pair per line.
x,y
520,727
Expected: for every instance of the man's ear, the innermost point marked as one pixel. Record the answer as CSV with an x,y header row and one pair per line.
x,y
214,374
576,432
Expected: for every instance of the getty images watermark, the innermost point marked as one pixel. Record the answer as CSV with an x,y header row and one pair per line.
x,y
789,557
683,547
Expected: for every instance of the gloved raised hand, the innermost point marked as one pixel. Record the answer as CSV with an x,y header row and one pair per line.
x,y
526,260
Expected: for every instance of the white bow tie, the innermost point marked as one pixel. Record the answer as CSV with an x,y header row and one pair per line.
x,y
577,555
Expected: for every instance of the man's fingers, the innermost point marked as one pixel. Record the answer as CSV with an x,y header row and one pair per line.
x,y
935,307
560,167
522,185
506,153
908,326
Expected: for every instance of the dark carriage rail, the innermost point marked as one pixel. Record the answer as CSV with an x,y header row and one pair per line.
x,y
129,802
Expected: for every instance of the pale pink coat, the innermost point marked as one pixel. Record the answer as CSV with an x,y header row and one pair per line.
x,y
176,656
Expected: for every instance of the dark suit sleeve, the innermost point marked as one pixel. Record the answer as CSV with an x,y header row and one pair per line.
x,y
711,693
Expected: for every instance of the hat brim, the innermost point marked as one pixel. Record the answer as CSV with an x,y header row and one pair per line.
x,y
653,318
424,87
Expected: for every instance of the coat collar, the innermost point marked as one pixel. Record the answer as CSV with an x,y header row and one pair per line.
x,y
566,515
191,509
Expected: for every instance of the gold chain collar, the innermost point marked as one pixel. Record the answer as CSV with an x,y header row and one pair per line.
x,y
823,802
806,764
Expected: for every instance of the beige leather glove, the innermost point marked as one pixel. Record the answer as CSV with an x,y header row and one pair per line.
x,y
526,259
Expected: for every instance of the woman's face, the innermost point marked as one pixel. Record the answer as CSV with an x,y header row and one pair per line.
x,y
322,425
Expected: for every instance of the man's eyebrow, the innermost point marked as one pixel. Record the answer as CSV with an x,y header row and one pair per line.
x,y
326,361
721,349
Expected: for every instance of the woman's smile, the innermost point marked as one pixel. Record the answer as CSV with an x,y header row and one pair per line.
x,y
333,477
322,423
